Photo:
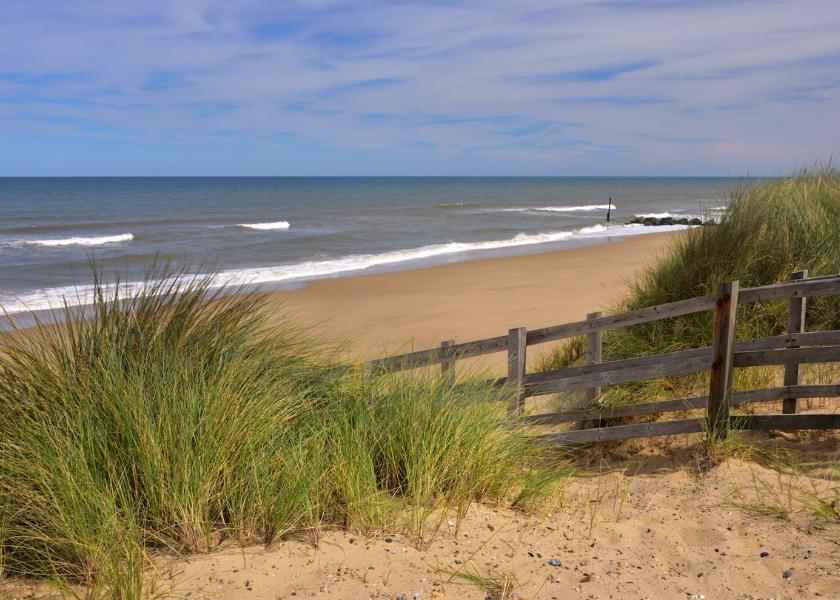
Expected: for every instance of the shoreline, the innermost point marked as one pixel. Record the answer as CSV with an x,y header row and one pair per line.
x,y
414,309
27,319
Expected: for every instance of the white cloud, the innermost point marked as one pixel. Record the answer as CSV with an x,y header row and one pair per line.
x,y
542,87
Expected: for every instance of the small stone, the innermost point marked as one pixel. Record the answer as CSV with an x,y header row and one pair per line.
x,y
555,563
787,574
402,597
765,554
531,554
457,562
351,540
584,562
539,555
701,573
388,540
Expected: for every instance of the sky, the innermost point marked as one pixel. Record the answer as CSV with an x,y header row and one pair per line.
x,y
487,87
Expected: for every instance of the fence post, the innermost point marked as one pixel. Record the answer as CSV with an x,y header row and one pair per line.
x,y
593,357
720,380
447,367
796,324
516,367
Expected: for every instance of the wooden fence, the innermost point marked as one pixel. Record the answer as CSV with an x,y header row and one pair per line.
x,y
792,350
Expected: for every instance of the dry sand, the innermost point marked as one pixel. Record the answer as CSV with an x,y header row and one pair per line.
x,y
676,535
473,299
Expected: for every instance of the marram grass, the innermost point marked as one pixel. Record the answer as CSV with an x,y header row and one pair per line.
x,y
169,418
765,231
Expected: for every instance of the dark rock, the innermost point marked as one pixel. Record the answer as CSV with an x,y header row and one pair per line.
x,y
695,221
402,597
539,555
787,574
682,222
352,540
638,220
555,563
666,221
457,562
648,223
531,554
765,554
388,540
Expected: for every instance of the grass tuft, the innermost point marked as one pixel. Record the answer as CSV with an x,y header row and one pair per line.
x,y
167,418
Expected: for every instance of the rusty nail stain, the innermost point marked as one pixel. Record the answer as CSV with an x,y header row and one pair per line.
x,y
726,297
720,302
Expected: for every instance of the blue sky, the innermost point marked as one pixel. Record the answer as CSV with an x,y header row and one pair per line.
x,y
532,87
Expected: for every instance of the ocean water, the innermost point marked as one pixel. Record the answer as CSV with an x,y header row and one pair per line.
x,y
281,231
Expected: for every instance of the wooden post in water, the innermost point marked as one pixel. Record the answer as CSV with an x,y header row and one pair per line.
x,y
720,384
447,367
516,367
593,357
796,324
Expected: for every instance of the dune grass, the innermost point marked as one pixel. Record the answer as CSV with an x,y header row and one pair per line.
x,y
168,418
765,231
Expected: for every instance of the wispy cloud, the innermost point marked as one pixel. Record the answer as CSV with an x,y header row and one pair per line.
x,y
375,87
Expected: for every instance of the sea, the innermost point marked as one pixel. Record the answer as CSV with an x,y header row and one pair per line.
x,y
280,232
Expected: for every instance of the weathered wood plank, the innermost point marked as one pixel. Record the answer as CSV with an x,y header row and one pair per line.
x,y
624,432
781,341
447,367
787,422
818,286
796,324
810,338
619,374
594,343
426,358
831,390
788,356
516,367
617,365
635,317
630,410
723,350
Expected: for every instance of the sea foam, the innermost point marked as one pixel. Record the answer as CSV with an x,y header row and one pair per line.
x,y
84,241
265,226
56,297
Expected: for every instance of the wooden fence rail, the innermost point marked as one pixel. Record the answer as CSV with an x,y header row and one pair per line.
x,y
792,350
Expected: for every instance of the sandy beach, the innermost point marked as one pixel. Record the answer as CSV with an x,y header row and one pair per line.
x,y
643,521
474,299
